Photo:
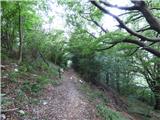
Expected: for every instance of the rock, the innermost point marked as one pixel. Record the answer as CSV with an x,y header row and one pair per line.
x,y
14,64
21,112
34,75
16,70
3,117
61,70
3,67
45,102
80,81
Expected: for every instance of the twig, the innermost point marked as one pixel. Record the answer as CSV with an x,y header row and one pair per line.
x,y
9,110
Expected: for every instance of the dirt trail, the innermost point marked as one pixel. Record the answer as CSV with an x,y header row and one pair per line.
x,y
65,102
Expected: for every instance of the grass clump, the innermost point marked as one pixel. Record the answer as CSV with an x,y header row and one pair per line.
x,y
108,114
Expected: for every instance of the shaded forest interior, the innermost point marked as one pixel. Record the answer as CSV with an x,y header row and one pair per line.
x,y
113,46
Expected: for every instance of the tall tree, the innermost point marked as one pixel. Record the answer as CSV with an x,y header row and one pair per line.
x,y
20,34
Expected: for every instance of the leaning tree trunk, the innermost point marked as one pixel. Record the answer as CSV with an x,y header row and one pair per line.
x,y
20,36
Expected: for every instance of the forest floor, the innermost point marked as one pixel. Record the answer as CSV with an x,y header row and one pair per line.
x,y
65,101
62,101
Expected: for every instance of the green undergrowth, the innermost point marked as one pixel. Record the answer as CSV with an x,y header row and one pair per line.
x,y
100,99
136,106
144,111
34,77
25,82
108,114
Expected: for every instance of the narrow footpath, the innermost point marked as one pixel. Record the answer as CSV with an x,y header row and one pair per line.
x,y
65,102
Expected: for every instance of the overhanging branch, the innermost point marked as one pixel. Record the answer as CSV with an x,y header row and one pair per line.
x,y
141,6
122,25
136,42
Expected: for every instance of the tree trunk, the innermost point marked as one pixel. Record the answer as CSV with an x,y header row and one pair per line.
x,y
55,60
107,78
157,97
20,36
117,82
157,102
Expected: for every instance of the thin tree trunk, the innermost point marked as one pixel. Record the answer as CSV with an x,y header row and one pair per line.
x,y
117,82
107,78
55,60
44,59
157,97
20,36
157,102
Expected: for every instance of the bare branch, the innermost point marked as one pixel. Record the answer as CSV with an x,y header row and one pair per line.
x,y
155,8
143,29
119,7
134,51
9,110
145,47
95,22
136,18
128,12
108,47
91,34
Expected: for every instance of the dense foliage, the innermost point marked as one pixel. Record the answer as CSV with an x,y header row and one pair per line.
x,y
125,58
35,42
